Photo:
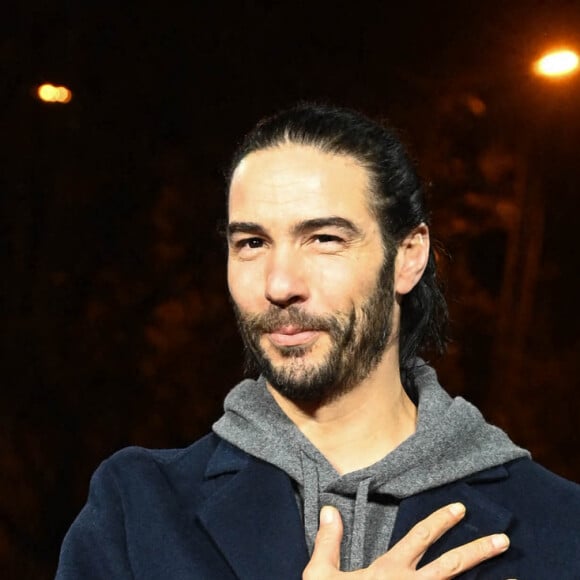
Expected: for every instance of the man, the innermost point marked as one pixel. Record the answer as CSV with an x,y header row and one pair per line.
x,y
345,457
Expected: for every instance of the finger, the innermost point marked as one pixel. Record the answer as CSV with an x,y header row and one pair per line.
x,y
411,548
327,544
465,557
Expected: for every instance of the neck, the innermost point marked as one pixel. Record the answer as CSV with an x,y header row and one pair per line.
x,y
363,425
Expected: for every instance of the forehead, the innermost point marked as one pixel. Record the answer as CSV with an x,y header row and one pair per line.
x,y
294,182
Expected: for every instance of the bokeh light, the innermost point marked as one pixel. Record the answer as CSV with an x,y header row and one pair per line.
x,y
557,63
54,94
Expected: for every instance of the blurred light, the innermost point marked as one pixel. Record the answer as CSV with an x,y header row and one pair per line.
x,y
557,63
52,94
475,105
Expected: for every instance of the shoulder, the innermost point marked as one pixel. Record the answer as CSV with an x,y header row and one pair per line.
x,y
545,500
132,457
138,468
546,508
545,511
522,469
529,484
137,484
138,498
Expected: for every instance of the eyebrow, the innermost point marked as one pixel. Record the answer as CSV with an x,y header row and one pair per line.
x,y
244,228
314,224
301,228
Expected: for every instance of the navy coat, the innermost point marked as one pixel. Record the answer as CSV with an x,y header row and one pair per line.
x,y
211,511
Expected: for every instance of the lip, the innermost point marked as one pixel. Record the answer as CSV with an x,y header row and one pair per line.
x,y
291,336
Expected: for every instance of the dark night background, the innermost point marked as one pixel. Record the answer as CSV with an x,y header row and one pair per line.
x,y
117,327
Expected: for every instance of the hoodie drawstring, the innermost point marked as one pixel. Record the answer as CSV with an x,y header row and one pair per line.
x,y
359,525
310,497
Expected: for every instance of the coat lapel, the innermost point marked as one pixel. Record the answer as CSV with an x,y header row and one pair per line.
x,y
252,516
483,517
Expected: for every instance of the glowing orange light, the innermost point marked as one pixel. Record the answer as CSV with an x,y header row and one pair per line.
x,y
53,94
558,63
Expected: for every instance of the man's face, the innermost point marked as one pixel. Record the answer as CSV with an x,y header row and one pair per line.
x,y
312,290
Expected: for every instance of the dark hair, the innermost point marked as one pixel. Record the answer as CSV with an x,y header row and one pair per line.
x,y
398,200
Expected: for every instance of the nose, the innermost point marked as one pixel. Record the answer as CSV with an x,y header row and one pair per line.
x,y
286,282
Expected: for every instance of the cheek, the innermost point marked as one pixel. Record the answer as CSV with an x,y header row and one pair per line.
x,y
343,285
244,285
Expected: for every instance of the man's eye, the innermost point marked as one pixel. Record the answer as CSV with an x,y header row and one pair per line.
x,y
252,243
326,238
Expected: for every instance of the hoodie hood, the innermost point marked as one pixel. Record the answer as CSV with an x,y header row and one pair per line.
x,y
451,441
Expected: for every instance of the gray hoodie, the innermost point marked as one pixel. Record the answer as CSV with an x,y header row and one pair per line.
x,y
452,441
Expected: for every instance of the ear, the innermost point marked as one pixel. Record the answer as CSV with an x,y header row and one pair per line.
x,y
411,260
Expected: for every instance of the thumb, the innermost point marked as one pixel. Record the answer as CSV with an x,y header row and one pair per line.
x,y
327,544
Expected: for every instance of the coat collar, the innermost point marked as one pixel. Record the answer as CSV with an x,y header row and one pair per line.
x,y
252,516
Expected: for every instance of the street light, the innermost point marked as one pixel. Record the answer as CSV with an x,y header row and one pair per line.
x,y
557,63
525,246
53,94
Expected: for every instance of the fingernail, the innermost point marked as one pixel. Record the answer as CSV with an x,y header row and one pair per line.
x,y
326,515
457,509
500,541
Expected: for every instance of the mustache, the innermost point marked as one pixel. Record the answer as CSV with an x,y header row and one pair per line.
x,y
275,318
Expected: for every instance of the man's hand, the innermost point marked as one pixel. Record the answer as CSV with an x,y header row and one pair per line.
x,y
400,562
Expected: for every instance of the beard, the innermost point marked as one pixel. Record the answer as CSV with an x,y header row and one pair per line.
x,y
358,340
